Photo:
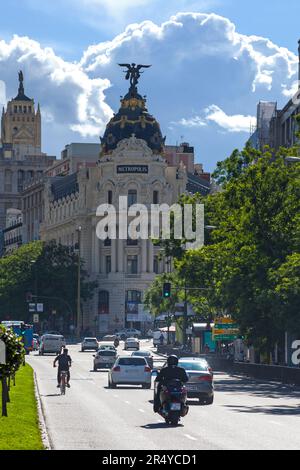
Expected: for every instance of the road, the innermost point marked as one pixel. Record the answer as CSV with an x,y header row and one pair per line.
x,y
246,414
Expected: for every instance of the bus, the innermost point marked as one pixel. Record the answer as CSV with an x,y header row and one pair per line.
x,y
23,331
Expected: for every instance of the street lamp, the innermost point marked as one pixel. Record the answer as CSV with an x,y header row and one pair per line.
x,y
79,229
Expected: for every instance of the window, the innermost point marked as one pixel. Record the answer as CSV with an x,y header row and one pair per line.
x,y
132,197
133,299
134,296
131,242
155,197
103,302
132,264
107,242
107,264
109,197
8,181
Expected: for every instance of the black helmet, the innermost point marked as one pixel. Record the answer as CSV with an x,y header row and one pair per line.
x,y
65,350
172,360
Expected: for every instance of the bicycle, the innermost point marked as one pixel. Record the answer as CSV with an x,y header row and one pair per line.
x,y
63,382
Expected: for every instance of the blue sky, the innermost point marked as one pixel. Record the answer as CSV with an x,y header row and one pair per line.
x,y
208,72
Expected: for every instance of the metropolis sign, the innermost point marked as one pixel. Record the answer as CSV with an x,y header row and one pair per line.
x,y
124,169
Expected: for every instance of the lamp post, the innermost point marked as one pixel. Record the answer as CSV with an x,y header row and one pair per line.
x,y
78,282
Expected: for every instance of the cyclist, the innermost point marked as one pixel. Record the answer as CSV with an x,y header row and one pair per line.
x,y
64,364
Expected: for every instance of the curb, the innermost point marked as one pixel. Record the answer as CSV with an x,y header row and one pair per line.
x,y
42,419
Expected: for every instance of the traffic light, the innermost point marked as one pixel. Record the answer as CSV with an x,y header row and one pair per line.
x,y
166,290
28,297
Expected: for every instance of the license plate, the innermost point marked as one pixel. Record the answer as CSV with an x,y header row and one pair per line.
x,y
192,388
175,406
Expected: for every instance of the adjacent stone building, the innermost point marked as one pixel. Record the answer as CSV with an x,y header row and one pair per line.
x,y
21,157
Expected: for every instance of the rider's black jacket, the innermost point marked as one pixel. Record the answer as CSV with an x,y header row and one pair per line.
x,y
170,373
64,362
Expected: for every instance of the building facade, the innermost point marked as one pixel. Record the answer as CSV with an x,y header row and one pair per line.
x,y
132,164
12,233
21,158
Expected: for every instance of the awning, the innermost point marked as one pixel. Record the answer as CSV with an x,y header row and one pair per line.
x,y
199,327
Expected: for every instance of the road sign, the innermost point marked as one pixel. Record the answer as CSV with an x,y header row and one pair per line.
x,y
225,329
32,307
40,308
36,318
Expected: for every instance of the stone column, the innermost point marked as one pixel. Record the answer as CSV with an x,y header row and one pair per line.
x,y
150,256
144,255
113,252
120,256
96,251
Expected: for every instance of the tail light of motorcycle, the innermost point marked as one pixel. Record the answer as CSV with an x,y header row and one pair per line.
x,y
117,369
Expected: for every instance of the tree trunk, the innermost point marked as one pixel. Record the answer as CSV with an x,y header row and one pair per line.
x,y
4,396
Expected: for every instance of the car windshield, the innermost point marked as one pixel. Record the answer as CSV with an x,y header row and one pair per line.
x,y
91,340
193,365
131,361
107,352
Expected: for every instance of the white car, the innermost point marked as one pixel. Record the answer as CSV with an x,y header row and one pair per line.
x,y
51,344
89,344
128,333
104,359
130,370
110,346
132,343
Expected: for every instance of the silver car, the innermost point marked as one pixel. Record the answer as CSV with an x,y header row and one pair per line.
x,y
131,343
201,382
104,359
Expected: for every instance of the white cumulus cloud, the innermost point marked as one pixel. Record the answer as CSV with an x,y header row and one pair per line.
x,y
233,123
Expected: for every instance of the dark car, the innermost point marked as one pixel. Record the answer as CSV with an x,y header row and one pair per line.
x,y
201,381
147,355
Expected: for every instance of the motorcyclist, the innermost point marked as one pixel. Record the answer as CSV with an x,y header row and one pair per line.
x,y
64,364
116,342
167,374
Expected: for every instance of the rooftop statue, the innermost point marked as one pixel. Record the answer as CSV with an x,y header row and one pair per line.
x,y
133,73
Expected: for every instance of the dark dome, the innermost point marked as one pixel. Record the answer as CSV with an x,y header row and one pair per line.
x,y
132,118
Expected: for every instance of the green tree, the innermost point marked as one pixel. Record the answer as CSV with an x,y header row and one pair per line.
x,y
48,269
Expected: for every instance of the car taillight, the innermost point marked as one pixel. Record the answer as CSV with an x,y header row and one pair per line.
x,y
117,369
147,369
206,378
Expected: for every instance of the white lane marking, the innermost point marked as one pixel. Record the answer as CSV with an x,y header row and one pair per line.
x,y
142,411
275,422
190,437
116,396
127,402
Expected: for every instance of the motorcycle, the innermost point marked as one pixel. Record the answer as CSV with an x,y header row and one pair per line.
x,y
173,399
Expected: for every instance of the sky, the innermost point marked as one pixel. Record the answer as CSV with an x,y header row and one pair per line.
x,y
212,61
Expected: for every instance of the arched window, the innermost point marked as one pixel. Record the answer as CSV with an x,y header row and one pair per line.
x,y
103,302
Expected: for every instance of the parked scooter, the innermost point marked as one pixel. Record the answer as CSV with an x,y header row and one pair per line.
x,y
173,399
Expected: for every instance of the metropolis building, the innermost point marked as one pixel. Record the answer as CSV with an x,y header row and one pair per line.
x,y
132,164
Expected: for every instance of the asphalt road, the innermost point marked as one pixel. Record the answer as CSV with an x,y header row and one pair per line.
x,y
246,414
